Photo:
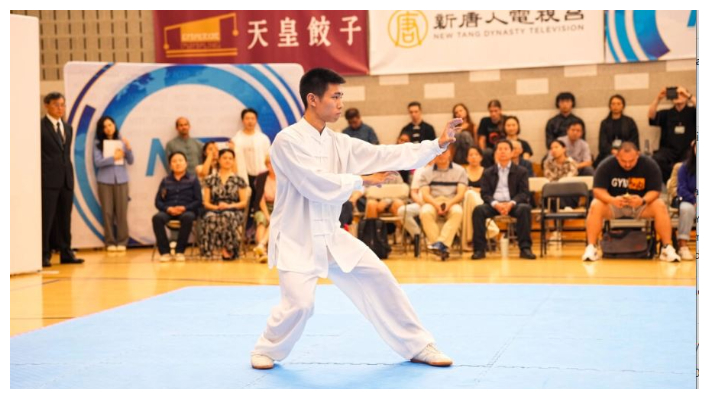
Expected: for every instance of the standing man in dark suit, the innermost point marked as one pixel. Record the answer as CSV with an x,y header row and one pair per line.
x,y
57,182
505,189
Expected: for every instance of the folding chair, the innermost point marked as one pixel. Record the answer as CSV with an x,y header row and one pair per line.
x,y
394,191
554,192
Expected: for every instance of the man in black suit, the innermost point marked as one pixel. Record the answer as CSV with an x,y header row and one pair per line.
x,y
505,189
57,182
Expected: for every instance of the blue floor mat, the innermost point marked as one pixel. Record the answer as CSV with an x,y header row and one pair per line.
x,y
500,336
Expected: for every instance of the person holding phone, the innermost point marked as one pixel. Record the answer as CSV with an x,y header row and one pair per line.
x,y
317,170
678,126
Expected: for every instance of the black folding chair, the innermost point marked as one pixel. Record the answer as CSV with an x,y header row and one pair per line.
x,y
552,195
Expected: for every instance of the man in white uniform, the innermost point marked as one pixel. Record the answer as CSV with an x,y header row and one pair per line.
x,y
316,171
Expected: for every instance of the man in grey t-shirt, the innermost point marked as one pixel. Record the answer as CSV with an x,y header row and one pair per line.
x,y
443,188
185,144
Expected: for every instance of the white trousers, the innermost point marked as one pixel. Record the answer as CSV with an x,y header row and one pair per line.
x,y
370,286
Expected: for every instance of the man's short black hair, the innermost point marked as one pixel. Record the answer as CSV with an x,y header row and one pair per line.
x,y
169,159
565,95
55,95
414,104
505,141
316,81
246,111
574,123
351,113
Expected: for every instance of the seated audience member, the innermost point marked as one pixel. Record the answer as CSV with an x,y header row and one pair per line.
x,y
518,160
418,130
559,124
210,158
225,199
488,131
615,129
357,129
512,130
686,192
505,191
410,211
265,197
443,188
404,138
678,128
557,164
475,170
578,149
357,202
463,140
178,198
628,186
376,207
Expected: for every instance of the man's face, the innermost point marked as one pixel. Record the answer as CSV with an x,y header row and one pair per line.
x,y
56,108
249,121
616,105
443,160
355,122
178,164
574,132
495,113
183,127
328,107
415,114
565,106
627,159
556,150
503,153
403,138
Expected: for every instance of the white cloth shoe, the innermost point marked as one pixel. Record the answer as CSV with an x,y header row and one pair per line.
x,y
432,356
180,257
686,254
591,254
165,258
111,248
261,362
668,254
121,248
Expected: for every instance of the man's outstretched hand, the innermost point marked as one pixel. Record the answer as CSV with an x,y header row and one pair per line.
x,y
449,131
377,179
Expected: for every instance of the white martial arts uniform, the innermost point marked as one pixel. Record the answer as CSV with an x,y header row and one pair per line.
x,y
315,175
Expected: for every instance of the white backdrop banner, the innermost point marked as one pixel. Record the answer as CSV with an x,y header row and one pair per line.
x,y
411,41
650,35
145,100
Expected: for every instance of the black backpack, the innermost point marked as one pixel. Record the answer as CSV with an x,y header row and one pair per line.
x,y
373,232
628,244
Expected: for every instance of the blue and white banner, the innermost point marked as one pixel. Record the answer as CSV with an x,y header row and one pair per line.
x,y
145,100
650,35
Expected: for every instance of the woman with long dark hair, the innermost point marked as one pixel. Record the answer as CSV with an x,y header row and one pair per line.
x,y
686,192
112,178
463,140
615,129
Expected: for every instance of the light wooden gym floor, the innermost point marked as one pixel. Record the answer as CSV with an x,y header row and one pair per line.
x,y
106,280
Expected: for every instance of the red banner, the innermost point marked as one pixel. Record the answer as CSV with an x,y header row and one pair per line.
x,y
329,39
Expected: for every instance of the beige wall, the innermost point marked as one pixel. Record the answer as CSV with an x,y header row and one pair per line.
x,y
127,36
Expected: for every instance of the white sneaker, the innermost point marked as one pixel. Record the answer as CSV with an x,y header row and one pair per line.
x,y
180,257
261,362
591,253
686,254
165,258
121,248
111,248
668,254
433,357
